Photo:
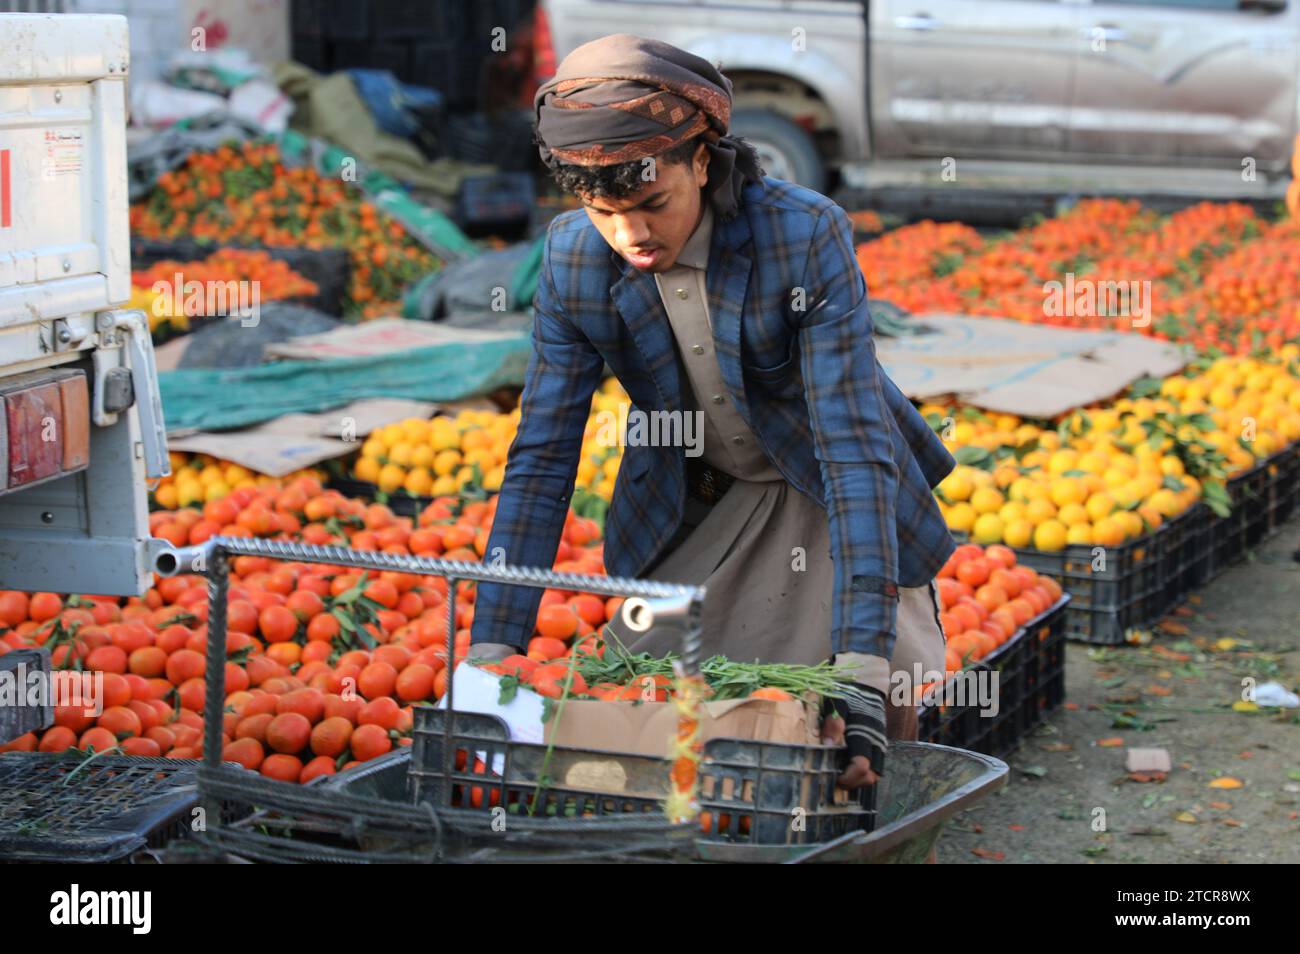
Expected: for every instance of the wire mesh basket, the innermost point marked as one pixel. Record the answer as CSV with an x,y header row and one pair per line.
x,y
750,790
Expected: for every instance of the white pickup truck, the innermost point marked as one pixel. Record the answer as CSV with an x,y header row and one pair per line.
x,y
81,426
1180,97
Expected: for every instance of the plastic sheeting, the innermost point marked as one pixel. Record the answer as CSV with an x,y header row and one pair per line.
x,y
214,399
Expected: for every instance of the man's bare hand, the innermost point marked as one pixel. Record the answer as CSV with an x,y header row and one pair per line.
x,y
859,771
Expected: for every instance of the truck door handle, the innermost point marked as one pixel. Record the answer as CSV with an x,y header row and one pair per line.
x,y
132,348
920,21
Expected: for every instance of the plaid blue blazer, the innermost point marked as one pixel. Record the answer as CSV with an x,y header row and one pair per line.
x,y
805,379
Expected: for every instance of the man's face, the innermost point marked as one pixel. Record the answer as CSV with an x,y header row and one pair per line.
x,y
650,227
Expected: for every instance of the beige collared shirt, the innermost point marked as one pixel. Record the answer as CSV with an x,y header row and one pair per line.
x,y
728,442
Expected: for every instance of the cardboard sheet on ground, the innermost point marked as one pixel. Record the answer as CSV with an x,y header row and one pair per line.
x,y
379,337
1017,368
295,441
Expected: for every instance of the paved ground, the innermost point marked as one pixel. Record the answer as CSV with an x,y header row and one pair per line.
x,y
1176,693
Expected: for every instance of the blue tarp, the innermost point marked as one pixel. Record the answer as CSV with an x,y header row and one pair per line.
x,y
222,398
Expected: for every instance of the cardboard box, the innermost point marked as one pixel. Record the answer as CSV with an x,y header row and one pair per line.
x,y
1017,368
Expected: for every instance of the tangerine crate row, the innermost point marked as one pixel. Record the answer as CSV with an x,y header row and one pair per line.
x,y
1117,588
976,712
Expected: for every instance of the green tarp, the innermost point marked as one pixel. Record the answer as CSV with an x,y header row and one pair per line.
x,y
221,398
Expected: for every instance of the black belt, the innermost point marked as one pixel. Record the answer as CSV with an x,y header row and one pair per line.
x,y
706,484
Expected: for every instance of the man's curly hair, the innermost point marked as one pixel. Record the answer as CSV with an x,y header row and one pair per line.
x,y
617,181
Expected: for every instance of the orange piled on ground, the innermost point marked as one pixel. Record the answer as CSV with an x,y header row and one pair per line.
x,y
324,663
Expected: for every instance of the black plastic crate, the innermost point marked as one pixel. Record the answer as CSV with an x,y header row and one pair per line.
x,y
948,723
63,808
1283,484
1031,682
1112,589
365,816
1188,558
1045,688
1232,537
400,502
751,790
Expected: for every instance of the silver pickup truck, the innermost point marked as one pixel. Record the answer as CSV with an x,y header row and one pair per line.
x,y
1178,97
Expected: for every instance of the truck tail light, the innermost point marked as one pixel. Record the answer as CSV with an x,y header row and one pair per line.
x,y
46,423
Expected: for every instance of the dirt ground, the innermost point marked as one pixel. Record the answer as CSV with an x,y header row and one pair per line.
x,y
1175,693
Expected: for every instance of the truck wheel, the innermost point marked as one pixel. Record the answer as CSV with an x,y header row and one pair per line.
x,y
785,151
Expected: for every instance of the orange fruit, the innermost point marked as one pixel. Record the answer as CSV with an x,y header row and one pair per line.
x,y
192,693
282,767
44,606
140,747
974,572
336,705
1008,581
164,736
548,647
383,712
320,765
306,702
396,656
368,742
590,609
120,721
1001,554
57,738
965,616
771,692
277,624
990,596
557,622
331,736
1005,620
149,661
185,664
98,738
964,644
107,659
116,691
949,591
520,666
254,726
415,682
549,680
377,679
1022,610
382,592
246,751
323,627
288,733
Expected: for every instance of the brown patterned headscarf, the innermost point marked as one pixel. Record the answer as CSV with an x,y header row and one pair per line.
x,y
624,97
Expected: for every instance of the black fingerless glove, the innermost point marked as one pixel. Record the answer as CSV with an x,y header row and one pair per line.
x,y
863,710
